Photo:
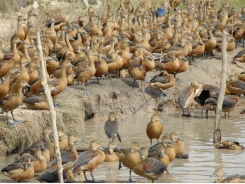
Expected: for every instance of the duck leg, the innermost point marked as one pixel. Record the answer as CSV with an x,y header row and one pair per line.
x,y
151,141
120,165
15,121
99,81
95,181
86,179
134,83
141,90
130,179
183,114
188,115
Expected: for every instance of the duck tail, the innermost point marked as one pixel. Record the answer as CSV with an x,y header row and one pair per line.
x,y
119,138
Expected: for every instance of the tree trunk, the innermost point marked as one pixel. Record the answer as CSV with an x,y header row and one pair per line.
x,y
51,107
222,84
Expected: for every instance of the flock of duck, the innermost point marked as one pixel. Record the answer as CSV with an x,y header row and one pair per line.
x,y
138,40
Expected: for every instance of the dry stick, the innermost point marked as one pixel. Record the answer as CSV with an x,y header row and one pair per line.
x,y
51,107
222,84
85,3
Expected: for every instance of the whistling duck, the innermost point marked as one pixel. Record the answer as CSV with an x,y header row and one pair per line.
x,y
154,128
48,144
52,63
226,144
68,157
178,143
150,168
159,155
33,71
24,76
235,86
115,63
241,76
87,73
240,57
130,157
168,147
38,101
6,64
20,171
137,71
230,179
4,87
110,155
101,68
162,81
186,97
171,65
111,127
63,140
40,164
61,83
11,102
89,160
52,176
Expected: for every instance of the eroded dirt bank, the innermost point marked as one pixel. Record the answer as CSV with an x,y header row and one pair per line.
x,y
114,95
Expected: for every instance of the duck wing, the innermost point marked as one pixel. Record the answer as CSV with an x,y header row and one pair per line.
x,y
110,128
152,165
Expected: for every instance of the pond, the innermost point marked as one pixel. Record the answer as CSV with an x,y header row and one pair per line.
x,y
197,133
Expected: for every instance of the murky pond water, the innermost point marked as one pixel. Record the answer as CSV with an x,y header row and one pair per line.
x,y
197,133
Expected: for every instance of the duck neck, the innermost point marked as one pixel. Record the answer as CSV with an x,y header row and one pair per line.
x,y
63,73
73,149
16,55
7,79
26,54
20,94
68,44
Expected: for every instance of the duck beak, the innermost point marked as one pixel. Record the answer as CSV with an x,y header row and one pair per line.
x,y
161,154
71,65
180,138
17,71
212,175
24,19
170,142
55,89
59,138
200,43
102,149
30,46
140,152
26,166
28,85
162,121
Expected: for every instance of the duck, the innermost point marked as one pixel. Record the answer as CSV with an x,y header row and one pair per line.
x,y
111,127
89,160
110,155
68,157
159,155
87,73
4,86
38,101
150,168
20,171
240,57
230,179
11,102
186,97
137,71
130,157
101,68
154,128
162,82
235,86
178,143
61,83
232,145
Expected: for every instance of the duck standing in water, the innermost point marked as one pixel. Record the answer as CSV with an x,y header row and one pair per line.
x,y
111,127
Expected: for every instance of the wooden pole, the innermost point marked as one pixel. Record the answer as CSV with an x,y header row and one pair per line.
x,y
51,107
222,84
85,3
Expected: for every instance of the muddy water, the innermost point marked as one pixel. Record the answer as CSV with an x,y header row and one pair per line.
x,y
197,133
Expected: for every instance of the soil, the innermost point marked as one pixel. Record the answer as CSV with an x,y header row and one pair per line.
x,y
116,95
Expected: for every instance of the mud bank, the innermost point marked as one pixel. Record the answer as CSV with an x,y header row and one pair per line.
x,y
114,95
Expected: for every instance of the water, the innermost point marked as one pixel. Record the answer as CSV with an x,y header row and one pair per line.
x,y
197,133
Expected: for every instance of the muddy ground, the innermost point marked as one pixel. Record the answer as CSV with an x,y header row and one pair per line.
x,y
114,95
